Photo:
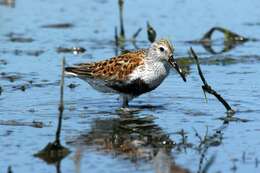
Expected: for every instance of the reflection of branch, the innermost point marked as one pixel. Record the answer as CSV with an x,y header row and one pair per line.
x,y
183,144
202,158
208,164
205,143
9,3
208,88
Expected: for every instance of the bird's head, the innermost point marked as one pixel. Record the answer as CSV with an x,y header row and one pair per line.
x,y
163,50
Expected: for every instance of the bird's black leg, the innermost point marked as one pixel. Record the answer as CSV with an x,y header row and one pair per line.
x,y
125,102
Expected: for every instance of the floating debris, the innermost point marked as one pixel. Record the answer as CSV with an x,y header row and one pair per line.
x,y
20,52
21,39
22,87
30,84
72,85
32,110
41,85
58,26
9,3
36,124
3,62
151,33
252,24
31,52
1,90
18,37
10,76
74,50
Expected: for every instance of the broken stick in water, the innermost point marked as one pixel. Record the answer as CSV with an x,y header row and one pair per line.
x,y
54,152
207,88
61,105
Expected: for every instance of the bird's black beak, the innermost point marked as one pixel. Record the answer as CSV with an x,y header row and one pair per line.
x,y
177,68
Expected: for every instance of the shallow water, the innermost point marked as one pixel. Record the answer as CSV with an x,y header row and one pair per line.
x,y
163,134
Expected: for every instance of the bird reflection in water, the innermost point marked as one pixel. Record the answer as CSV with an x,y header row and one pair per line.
x,y
132,137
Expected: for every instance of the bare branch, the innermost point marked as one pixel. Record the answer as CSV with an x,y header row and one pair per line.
x,y
208,88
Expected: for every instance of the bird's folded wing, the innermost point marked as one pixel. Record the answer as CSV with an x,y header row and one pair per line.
x,y
114,69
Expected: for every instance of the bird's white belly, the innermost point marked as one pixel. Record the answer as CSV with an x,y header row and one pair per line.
x,y
152,74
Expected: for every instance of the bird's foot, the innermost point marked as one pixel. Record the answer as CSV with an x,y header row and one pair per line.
x,y
128,110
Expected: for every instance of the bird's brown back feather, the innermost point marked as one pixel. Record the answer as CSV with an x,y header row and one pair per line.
x,y
116,68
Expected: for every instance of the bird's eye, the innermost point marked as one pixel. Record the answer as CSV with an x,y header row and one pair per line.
x,y
161,49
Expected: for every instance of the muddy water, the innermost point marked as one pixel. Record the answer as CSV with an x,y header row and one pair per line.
x,y
171,129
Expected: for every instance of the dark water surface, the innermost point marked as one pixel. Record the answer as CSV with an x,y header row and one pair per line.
x,y
173,128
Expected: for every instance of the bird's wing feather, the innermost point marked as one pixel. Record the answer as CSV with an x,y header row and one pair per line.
x,y
114,69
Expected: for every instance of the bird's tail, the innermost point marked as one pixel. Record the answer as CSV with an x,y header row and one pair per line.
x,y
77,71
72,71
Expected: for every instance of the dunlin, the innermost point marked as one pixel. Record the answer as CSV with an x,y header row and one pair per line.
x,y
130,74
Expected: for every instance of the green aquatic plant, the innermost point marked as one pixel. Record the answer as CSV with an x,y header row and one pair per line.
x,y
230,40
120,37
151,33
229,36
